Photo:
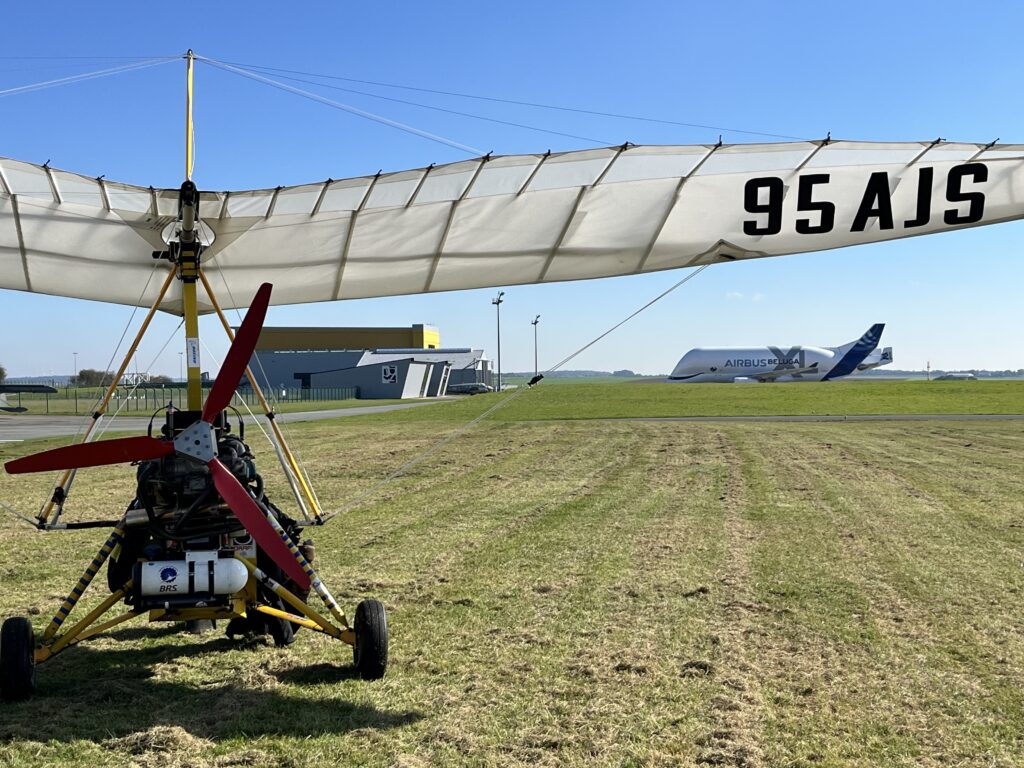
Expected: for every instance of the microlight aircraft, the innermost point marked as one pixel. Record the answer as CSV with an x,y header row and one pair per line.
x,y
10,389
201,540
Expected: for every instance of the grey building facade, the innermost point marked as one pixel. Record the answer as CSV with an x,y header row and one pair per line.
x,y
378,374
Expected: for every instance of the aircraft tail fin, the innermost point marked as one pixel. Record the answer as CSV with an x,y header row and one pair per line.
x,y
853,354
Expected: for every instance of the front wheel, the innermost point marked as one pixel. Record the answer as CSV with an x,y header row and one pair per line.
x,y
17,659
370,653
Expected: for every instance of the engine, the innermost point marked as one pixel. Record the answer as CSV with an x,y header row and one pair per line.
x,y
181,538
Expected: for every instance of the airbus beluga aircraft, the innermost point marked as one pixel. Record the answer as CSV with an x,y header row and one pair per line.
x,y
764,364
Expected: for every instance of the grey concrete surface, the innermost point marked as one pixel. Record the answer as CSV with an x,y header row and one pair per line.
x,y
31,427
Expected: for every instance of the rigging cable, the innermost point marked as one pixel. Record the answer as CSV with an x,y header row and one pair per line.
x,y
502,402
32,522
533,104
87,76
277,450
138,380
600,142
106,425
270,395
339,105
101,388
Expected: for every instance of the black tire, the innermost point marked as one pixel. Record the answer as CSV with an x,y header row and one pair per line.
x,y
370,653
17,660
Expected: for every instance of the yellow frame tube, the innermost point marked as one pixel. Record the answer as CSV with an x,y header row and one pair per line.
x,y
306,490
115,539
314,580
236,609
68,637
289,617
191,312
104,626
295,602
44,514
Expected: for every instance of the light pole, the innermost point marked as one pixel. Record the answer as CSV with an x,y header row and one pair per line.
x,y
181,357
497,309
536,322
75,379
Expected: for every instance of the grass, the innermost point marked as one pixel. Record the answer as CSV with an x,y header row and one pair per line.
x,y
608,398
572,592
645,400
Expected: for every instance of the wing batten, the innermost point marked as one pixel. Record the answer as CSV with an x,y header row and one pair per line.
x,y
21,242
561,235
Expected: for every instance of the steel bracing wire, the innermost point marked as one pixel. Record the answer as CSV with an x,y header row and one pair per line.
x,y
87,418
138,381
339,105
87,76
525,126
521,103
270,393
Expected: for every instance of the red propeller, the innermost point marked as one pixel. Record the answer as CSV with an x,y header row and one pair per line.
x,y
197,442
92,455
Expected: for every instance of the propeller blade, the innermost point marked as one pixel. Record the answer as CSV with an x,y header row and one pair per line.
x,y
251,516
92,455
238,357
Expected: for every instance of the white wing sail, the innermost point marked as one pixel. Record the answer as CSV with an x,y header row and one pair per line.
x,y
502,220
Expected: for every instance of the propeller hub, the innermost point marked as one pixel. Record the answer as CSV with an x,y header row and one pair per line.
x,y
197,442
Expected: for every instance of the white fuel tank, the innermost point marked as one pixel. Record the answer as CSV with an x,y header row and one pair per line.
x,y
201,572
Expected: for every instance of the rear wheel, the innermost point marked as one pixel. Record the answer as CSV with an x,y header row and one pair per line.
x,y
370,653
200,626
17,659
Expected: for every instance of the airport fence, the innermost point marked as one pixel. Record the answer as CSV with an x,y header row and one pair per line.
x,y
147,399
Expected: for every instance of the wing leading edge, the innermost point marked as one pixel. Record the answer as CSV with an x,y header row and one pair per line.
x,y
497,221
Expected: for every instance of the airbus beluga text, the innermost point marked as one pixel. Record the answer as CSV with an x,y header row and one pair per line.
x,y
736,364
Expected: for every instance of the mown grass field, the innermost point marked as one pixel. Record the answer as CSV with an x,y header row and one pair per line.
x,y
585,592
584,400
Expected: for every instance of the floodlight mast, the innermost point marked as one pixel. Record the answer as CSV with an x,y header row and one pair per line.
x,y
497,306
536,322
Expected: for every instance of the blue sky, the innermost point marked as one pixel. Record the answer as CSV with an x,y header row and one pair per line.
x,y
874,71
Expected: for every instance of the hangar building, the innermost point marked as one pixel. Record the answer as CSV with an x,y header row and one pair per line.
x,y
417,366
416,336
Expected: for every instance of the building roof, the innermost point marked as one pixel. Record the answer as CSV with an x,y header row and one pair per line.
x,y
457,357
309,339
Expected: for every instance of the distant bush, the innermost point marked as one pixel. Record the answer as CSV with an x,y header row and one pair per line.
x,y
88,377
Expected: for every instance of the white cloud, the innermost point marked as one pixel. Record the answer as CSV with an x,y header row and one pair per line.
x,y
735,295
